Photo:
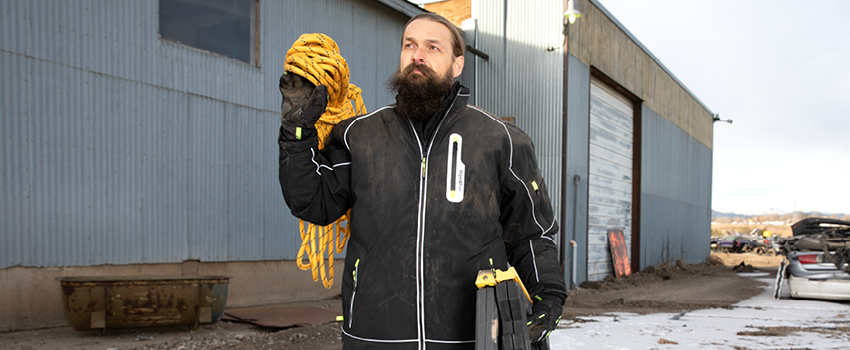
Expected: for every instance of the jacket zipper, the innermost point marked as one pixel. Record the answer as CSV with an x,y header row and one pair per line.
x,y
420,234
353,294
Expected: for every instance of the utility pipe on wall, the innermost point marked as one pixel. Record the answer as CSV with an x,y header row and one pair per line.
x,y
573,262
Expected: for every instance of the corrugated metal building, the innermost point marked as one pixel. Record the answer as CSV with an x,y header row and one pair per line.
x,y
125,152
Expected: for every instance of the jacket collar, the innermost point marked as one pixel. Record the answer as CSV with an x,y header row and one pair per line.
x,y
455,103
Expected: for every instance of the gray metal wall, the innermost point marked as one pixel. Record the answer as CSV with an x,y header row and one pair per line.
x,y
522,79
119,147
675,195
578,150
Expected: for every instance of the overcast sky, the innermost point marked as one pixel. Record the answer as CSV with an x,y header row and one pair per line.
x,y
780,70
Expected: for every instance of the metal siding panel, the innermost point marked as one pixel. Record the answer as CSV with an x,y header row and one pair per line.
x,y
578,131
169,143
9,26
109,165
131,163
87,189
137,197
372,62
675,195
198,72
677,232
207,180
279,227
54,169
517,80
243,136
16,162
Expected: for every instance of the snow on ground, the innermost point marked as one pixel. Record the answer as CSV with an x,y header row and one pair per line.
x,y
757,323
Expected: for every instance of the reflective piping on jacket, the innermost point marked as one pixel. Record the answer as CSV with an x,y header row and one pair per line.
x,y
378,340
449,341
351,307
511,169
388,341
345,134
533,261
419,228
320,166
353,293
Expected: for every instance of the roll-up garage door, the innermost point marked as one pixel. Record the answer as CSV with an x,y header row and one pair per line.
x,y
610,175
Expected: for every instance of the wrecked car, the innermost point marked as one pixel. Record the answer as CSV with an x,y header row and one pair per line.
x,y
817,256
761,246
733,244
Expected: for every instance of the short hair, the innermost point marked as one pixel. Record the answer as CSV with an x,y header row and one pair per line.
x,y
458,46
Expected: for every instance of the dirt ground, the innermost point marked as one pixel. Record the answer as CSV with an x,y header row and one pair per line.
x,y
711,284
664,288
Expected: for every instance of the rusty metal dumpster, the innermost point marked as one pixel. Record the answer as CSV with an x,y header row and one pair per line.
x,y
104,302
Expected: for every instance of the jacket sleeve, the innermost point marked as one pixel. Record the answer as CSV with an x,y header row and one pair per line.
x,y
315,183
528,221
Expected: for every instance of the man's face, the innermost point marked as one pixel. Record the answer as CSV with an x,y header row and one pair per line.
x,y
429,43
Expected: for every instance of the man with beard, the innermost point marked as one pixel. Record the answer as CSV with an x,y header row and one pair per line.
x,y
438,190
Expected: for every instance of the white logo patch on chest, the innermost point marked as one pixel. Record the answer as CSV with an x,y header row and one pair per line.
x,y
455,170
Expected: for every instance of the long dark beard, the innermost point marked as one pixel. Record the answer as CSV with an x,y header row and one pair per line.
x,y
420,96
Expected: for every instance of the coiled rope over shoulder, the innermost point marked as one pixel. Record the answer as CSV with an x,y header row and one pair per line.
x,y
316,57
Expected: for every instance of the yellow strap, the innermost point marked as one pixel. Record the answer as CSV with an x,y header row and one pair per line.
x,y
487,278
316,57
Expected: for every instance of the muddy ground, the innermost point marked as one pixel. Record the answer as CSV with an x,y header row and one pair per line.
x,y
664,288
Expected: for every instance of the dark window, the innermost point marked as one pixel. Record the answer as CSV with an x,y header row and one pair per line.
x,y
226,27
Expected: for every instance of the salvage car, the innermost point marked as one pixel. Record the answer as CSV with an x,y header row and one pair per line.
x,y
733,244
818,254
759,245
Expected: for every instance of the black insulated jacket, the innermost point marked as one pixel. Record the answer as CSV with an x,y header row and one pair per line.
x,y
425,218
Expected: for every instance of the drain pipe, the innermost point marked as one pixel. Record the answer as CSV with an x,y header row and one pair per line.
x,y
576,182
575,249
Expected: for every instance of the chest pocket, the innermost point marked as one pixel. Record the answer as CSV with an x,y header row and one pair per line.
x,y
455,170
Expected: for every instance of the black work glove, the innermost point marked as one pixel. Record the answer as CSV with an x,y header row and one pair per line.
x,y
303,104
545,316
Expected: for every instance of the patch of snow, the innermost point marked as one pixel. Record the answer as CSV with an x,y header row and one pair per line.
x,y
712,328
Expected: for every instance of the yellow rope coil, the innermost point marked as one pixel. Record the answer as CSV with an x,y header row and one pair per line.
x,y
316,57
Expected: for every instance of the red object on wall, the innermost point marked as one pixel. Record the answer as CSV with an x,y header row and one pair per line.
x,y
619,254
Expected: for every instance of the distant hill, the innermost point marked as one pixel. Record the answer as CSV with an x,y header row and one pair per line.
x,y
776,216
719,214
